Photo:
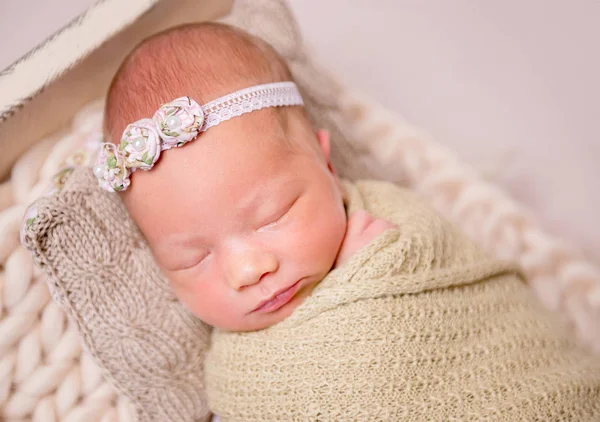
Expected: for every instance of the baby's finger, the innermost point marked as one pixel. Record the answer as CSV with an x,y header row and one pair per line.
x,y
358,222
379,226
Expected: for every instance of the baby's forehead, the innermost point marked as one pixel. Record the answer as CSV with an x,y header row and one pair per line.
x,y
202,61
220,169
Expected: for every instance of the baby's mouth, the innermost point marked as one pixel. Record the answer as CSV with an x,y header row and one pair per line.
x,y
278,300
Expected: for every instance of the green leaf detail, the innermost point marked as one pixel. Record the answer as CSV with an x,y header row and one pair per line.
x,y
148,161
112,162
118,188
145,157
124,144
170,133
30,221
61,177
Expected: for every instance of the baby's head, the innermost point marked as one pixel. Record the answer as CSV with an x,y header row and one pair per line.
x,y
248,217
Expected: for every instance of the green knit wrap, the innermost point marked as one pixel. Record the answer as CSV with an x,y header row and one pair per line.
x,y
419,325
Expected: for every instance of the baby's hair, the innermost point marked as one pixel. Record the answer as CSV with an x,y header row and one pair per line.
x,y
203,61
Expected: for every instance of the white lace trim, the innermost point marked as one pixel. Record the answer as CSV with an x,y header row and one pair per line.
x,y
250,99
178,122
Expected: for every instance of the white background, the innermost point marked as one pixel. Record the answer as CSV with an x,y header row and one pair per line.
x,y
512,86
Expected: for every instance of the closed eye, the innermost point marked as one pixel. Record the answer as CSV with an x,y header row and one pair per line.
x,y
192,263
280,216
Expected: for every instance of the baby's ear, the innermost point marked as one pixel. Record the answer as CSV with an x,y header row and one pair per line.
x,y
324,142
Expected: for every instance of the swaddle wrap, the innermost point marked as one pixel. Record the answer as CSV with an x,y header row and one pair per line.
x,y
418,325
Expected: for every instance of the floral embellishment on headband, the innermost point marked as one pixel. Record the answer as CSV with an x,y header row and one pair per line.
x,y
140,144
110,169
179,121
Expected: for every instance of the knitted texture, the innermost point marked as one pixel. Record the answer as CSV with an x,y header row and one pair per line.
x,y
45,375
561,276
113,325
102,272
419,325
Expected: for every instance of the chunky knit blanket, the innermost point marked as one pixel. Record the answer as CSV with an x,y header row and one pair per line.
x,y
419,325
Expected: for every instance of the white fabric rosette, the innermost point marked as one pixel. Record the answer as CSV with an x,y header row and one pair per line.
x,y
110,169
178,121
140,145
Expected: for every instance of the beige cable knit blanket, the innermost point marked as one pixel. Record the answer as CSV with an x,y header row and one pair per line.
x,y
419,325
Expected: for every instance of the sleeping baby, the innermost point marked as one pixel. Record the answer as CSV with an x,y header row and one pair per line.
x,y
330,300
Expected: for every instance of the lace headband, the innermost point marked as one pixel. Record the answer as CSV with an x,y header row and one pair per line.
x,y
178,122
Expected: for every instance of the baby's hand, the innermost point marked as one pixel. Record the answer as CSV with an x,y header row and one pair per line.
x,y
361,229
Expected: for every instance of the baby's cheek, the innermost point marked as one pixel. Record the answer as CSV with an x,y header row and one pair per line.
x,y
210,300
326,233
198,294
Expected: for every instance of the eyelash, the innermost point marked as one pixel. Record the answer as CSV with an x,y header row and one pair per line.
x,y
195,263
277,219
206,255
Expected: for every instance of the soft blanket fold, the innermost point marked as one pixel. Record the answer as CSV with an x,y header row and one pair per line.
x,y
419,325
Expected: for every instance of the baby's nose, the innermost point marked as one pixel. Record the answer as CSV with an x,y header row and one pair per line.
x,y
249,267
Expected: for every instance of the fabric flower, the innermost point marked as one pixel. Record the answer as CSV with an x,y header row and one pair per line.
x,y
140,144
28,219
60,178
178,121
110,169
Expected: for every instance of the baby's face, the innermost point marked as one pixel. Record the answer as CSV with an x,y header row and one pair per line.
x,y
242,226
